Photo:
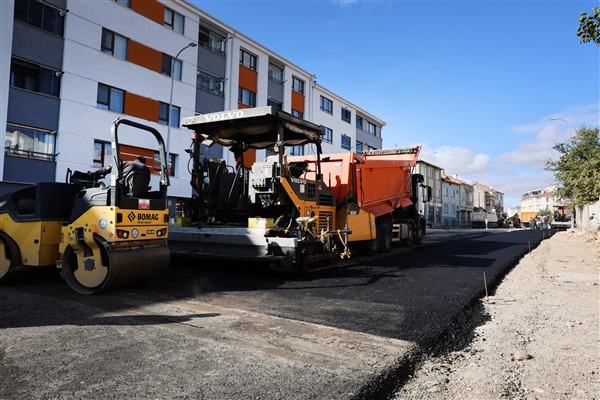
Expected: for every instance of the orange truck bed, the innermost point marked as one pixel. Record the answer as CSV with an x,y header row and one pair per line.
x,y
378,182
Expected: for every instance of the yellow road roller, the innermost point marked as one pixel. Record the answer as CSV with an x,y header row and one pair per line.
x,y
100,237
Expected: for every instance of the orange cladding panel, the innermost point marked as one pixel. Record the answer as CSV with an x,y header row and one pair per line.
x,y
129,153
145,56
141,107
248,78
150,9
298,101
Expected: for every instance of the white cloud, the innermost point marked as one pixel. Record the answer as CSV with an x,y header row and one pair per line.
x,y
456,160
345,3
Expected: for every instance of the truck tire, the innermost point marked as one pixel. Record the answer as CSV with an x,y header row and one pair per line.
x,y
384,235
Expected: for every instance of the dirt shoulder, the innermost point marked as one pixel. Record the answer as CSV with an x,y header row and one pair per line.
x,y
542,339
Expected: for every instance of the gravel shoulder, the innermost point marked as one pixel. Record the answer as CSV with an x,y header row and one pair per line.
x,y
542,335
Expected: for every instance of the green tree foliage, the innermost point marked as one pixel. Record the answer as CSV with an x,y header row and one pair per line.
x,y
589,27
577,170
544,213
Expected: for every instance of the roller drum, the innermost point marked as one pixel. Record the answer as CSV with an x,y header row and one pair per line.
x,y
123,265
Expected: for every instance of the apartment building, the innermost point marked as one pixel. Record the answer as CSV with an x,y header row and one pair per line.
x,y
466,204
432,174
75,66
538,200
450,202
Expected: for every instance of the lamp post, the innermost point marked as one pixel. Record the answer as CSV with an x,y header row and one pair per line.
x,y
569,132
191,44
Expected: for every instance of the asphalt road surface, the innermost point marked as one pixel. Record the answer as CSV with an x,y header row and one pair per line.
x,y
222,330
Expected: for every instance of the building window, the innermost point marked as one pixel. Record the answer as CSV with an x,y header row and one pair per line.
x,y
297,85
359,122
248,60
102,154
170,160
372,128
296,150
346,142
126,3
170,64
211,40
359,148
274,103
33,77
163,115
328,135
26,141
246,97
326,105
209,83
297,114
114,44
34,13
174,21
110,98
275,73
346,114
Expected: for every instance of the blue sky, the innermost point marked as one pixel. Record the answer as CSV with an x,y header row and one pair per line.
x,y
474,82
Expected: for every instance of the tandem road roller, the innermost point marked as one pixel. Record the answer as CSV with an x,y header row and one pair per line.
x,y
99,237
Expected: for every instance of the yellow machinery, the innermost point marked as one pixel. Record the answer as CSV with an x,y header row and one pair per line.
x,y
100,237
258,210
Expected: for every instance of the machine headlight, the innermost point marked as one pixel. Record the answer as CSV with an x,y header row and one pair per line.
x,y
103,223
135,233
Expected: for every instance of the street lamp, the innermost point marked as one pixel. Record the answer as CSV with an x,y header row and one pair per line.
x,y
569,132
191,44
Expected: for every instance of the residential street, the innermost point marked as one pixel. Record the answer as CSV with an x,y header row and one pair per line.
x,y
356,332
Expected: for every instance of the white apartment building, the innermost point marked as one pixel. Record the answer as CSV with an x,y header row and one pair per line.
x,y
86,63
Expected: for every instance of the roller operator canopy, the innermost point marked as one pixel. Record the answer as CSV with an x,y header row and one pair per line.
x,y
257,128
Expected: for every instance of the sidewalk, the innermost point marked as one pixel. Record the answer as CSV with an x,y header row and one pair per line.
x,y
542,339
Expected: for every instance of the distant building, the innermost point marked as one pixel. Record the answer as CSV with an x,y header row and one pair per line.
x,y
433,177
538,200
450,202
466,204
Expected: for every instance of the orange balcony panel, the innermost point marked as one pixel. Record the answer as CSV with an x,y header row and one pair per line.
x,y
248,79
298,101
151,9
141,107
145,56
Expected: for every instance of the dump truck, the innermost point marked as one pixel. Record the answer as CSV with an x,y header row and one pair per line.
x,y
478,219
258,210
99,237
377,195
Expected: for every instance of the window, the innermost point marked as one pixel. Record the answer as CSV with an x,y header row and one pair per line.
x,y
346,115
328,136
174,20
296,150
114,44
297,85
359,148
170,64
248,60
170,160
372,128
34,13
209,82
126,3
33,77
110,98
30,142
274,103
102,154
297,114
326,105
211,40
163,115
359,122
346,142
275,73
247,97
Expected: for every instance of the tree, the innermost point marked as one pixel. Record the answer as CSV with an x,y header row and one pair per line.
x,y
589,27
577,170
